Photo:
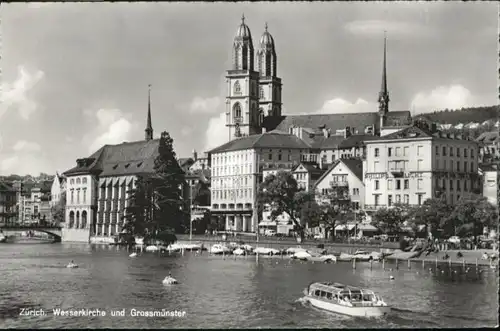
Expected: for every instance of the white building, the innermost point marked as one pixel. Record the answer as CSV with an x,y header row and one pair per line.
x,y
57,189
490,183
344,172
237,170
414,164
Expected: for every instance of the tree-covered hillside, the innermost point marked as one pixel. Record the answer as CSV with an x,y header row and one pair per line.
x,y
464,115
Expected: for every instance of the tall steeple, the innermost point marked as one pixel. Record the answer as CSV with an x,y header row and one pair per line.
x,y
383,97
149,127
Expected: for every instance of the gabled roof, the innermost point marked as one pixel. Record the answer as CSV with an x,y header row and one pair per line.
x,y
273,139
358,121
312,169
409,132
354,165
489,137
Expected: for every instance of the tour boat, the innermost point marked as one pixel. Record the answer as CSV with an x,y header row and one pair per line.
x,y
267,251
301,255
220,249
152,248
347,300
239,251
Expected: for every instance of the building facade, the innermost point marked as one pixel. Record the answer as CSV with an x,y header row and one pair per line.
x,y
237,171
415,164
490,184
8,213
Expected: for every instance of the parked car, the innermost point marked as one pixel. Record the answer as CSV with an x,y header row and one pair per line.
x,y
454,240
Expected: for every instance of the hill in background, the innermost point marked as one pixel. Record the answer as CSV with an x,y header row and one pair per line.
x,y
463,115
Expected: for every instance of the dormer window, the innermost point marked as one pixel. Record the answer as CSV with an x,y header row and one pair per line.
x,y
139,164
127,165
115,166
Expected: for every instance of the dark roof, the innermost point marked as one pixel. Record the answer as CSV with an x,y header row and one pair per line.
x,y
273,139
358,121
44,185
488,167
6,187
409,132
356,140
355,165
202,174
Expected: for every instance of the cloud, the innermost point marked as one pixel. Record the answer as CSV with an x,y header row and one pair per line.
x,y
393,28
113,127
341,106
186,131
26,158
217,133
442,97
15,96
26,146
205,105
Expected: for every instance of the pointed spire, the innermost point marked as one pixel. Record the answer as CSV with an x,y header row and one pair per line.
x,y
243,18
149,127
383,97
266,26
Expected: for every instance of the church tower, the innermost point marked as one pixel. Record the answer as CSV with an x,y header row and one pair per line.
x,y
383,96
269,83
242,101
149,128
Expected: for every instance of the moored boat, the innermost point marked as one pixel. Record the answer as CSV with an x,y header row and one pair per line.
x,y
347,300
220,249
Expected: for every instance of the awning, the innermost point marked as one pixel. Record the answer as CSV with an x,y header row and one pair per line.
x,y
268,223
367,227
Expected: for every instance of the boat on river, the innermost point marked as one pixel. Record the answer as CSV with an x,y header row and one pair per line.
x,y
346,300
220,249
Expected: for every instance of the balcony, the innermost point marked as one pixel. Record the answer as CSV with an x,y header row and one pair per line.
x,y
397,171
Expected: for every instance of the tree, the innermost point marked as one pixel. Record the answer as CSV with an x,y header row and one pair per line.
x,y
471,215
138,217
433,214
201,194
281,194
58,211
170,212
335,207
390,220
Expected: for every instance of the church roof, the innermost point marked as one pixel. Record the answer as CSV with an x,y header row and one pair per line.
x,y
273,139
358,121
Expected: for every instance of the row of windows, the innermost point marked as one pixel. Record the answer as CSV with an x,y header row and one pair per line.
x,y
232,182
84,196
231,194
406,199
231,170
327,191
231,158
406,184
457,168
78,181
391,151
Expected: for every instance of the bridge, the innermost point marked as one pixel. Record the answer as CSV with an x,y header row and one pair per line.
x,y
53,230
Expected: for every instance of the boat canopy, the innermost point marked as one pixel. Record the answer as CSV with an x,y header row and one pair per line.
x,y
340,289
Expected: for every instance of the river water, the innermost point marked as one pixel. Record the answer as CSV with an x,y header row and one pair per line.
x,y
225,293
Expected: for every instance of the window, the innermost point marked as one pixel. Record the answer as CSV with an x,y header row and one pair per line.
x,y
465,185
420,184
78,196
270,156
398,151
406,151
78,181
389,200
236,112
398,184
437,150
419,150
465,152
377,154
444,150
289,157
72,196
84,195
333,157
237,88
451,184
407,184
419,199
376,166
72,181
377,185
407,199
35,210
471,153
458,166
377,198
84,181
420,165
389,152
465,166
458,151
279,157
261,92
458,185
389,184
398,198
472,167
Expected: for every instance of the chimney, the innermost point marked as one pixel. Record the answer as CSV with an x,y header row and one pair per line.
x,y
195,155
347,132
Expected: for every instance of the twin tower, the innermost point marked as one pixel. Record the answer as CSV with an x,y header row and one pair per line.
x,y
253,95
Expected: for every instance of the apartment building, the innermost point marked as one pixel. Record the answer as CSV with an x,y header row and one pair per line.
x,y
415,164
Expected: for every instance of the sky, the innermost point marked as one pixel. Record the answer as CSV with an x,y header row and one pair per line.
x,y
75,75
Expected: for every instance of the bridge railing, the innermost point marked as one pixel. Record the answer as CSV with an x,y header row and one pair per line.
x,y
30,226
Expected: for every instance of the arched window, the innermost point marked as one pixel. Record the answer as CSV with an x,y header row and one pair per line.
x,y
71,219
261,117
237,112
77,223
84,181
261,67
237,87
78,181
84,219
237,56
261,92
72,181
